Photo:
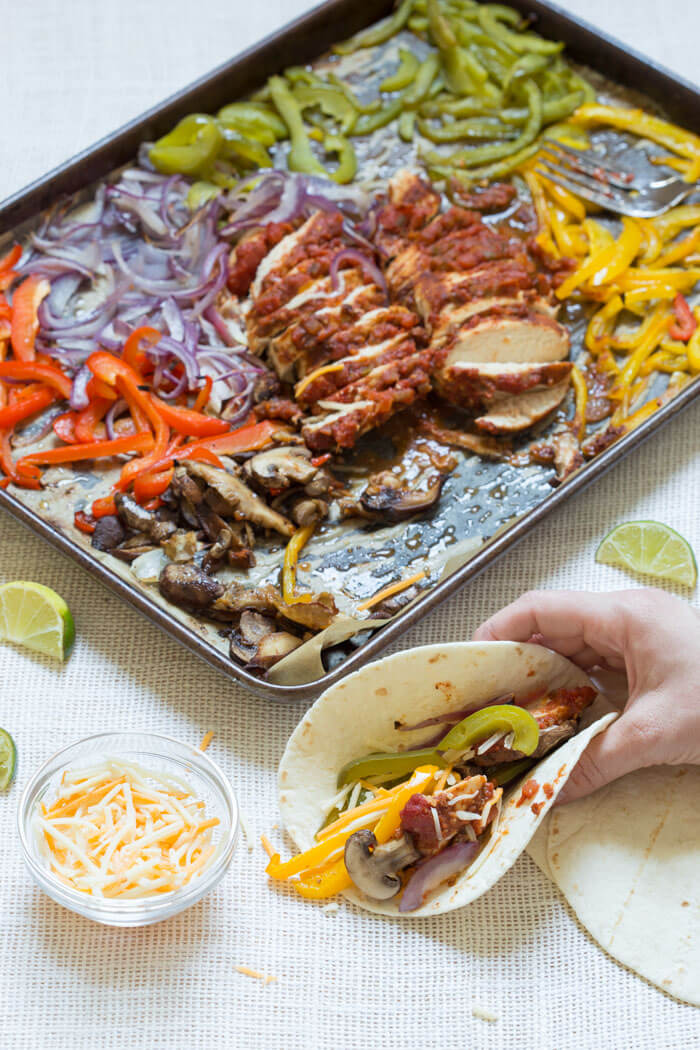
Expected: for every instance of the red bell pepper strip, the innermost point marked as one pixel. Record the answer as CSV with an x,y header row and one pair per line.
x,y
114,372
25,320
13,256
187,421
104,507
24,407
95,388
91,450
685,323
64,428
90,418
204,394
39,372
84,522
149,485
245,439
132,353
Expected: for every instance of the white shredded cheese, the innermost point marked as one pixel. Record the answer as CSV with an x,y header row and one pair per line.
x,y
331,908
487,744
436,822
464,814
483,1013
508,742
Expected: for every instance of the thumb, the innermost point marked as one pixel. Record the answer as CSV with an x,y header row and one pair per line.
x,y
610,755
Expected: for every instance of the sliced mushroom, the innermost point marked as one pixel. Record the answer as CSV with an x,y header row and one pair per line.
x,y
309,512
181,546
189,587
109,532
142,520
237,500
315,615
253,627
394,500
374,869
273,648
280,468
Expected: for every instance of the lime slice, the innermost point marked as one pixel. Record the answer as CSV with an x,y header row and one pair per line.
x,y
8,759
36,617
652,548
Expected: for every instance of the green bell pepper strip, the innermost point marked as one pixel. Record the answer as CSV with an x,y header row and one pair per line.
x,y
448,105
480,725
407,123
301,75
454,66
554,109
201,192
488,171
491,18
330,101
526,66
418,24
479,155
190,148
361,107
243,150
404,75
301,157
369,122
504,774
254,120
389,766
380,33
474,128
418,90
347,158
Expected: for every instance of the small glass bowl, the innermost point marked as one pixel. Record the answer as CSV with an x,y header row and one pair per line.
x,y
162,754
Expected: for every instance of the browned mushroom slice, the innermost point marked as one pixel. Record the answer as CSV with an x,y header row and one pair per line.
x,y
512,414
109,532
391,499
315,615
252,628
273,648
508,339
240,502
280,468
479,385
138,518
189,587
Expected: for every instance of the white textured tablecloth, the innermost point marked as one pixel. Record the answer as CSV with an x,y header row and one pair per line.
x,y
71,72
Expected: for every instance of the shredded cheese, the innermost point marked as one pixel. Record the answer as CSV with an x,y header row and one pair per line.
x,y
483,1013
206,740
267,845
303,383
121,831
394,588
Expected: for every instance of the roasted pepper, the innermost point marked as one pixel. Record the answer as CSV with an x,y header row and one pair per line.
x,y
24,325
685,323
643,124
389,766
378,33
243,151
255,120
36,401
190,148
479,726
301,156
330,101
39,372
404,75
493,19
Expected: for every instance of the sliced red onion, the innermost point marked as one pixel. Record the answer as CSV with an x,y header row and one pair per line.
x,y
78,395
430,873
369,268
112,415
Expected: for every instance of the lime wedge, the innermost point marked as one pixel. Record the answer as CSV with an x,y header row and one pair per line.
x,y
652,548
8,759
36,617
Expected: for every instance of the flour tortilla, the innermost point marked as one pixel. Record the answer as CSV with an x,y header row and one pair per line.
x,y
627,859
357,716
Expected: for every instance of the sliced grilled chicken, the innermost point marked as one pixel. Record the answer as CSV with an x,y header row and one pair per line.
x,y
477,386
434,293
516,413
503,339
322,383
316,232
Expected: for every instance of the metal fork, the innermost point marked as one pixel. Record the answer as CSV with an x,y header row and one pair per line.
x,y
611,184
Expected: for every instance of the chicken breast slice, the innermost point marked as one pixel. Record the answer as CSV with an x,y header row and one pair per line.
x,y
536,338
479,385
521,411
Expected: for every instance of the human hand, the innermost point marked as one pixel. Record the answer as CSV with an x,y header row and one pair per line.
x,y
647,634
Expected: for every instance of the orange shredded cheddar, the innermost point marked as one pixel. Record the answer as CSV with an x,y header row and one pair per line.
x,y
387,592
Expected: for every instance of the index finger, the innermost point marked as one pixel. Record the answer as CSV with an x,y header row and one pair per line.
x,y
589,629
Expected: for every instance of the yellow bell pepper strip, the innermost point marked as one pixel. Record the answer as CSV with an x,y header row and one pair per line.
x,y
190,148
369,810
331,880
626,249
544,238
379,33
389,765
658,326
289,569
664,361
643,124
601,325
581,393
672,222
24,323
404,75
595,262
479,726
679,250
564,199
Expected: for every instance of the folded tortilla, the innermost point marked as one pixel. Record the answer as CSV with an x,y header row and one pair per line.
x,y
361,714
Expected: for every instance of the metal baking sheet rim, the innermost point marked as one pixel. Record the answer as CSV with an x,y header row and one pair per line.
x,y
325,24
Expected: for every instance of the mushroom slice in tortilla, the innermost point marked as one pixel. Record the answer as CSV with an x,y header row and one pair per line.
x,y
240,502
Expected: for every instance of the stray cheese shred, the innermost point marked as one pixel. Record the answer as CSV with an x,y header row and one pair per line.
x,y
118,830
